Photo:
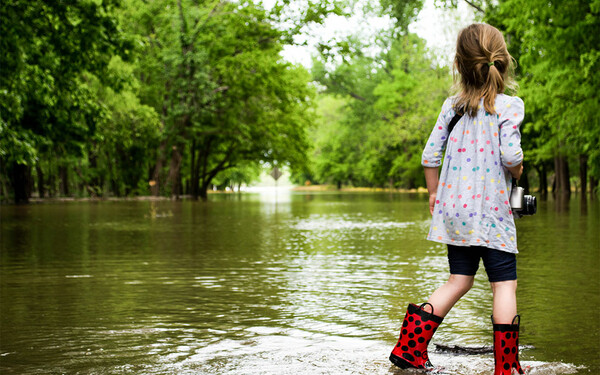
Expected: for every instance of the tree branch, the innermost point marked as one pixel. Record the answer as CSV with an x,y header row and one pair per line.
x,y
184,45
220,89
351,93
205,153
475,6
356,96
218,168
198,27
90,190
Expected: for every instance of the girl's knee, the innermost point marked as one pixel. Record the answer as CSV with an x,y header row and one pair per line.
x,y
461,282
510,285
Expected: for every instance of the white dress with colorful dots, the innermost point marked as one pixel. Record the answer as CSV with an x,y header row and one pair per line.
x,y
472,206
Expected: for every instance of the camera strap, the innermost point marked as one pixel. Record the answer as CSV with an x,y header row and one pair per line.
x,y
453,122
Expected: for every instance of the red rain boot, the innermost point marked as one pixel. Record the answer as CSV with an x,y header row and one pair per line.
x,y
417,330
506,347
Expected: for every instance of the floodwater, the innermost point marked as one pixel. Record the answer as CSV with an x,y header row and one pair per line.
x,y
292,283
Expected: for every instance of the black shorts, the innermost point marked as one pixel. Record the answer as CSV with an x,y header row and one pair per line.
x,y
499,265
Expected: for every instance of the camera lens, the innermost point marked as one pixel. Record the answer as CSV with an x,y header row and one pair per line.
x,y
530,205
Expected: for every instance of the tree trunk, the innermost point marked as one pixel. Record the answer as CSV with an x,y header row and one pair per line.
x,y
583,160
561,180
174,171
179,184
543,181
89,188
193,177
155,182
593,187
95,181
19,177
194,171
51,180
40,179
63,174
203,194
203,176
566,176
115,187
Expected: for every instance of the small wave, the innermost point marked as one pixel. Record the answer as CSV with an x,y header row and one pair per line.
x,y
337,223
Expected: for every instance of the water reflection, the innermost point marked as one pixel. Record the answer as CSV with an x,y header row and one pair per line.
x,y
310,284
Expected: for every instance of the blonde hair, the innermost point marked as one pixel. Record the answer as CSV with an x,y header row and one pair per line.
x,y
485,68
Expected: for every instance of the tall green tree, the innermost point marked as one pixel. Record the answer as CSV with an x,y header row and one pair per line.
x,y
122,150
214,73
46,108
557,47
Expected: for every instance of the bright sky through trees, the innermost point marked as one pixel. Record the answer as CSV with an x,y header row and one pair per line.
x,y
438,26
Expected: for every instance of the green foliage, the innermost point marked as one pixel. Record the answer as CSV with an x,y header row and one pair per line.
x,y
246,173
403,11
170,96
389,105
557,47
226,97
111,96
46,48
124,144
46,106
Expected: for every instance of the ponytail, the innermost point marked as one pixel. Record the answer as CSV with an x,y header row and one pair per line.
x,y
484,65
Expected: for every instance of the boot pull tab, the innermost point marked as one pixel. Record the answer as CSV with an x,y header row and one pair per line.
x,y
426,303
518,319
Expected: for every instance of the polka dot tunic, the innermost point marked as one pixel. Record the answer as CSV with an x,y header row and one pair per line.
x,y
472,206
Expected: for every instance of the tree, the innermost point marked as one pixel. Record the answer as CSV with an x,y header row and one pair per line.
x,y
226,97
246,173
122,149
391,102
557,47
45,105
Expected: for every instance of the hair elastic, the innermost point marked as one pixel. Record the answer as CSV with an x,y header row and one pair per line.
x,y
490,63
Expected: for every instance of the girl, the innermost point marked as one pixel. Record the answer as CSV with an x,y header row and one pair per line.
x,y
470,200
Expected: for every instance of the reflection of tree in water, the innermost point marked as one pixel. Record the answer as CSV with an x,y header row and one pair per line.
x,y
154,213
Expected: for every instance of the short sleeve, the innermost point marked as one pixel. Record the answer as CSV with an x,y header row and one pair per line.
x,y
510,117
433,151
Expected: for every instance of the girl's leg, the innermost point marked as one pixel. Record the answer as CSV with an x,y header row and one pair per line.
x,y
506,324
448,294
420,323
505,301
501,268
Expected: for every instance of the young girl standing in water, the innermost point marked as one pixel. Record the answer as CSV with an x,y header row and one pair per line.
x,y
469,203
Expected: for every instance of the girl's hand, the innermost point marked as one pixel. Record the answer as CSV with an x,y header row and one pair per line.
x,y
432,202
516,171
431,177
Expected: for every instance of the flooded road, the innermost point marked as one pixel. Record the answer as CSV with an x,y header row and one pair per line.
x,y
299,283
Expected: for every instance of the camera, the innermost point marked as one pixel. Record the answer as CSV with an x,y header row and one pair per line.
x,y
522,204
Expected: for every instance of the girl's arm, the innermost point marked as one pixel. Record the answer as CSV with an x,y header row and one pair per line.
x,y
516,171
510,119
431,177
433,152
